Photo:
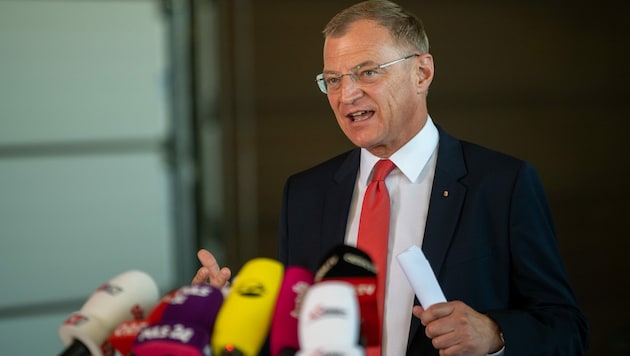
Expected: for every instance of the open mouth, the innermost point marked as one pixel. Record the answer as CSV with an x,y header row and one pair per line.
x,y
360,115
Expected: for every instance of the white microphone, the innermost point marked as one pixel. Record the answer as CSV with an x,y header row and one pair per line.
x,y
334,351
329,318
126,296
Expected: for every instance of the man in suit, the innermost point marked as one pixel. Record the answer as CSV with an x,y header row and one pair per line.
x,y
481,217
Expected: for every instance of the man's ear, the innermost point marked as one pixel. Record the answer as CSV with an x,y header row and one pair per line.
x,y
425,71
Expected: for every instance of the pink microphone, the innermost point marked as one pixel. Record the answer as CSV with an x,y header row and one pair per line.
x,y
283,338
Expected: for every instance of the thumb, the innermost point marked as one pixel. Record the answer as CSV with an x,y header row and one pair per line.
x,y
417,311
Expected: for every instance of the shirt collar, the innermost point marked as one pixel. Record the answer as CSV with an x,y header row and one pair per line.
x,y
410,158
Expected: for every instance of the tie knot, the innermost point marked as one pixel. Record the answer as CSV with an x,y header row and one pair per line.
x,y
382,169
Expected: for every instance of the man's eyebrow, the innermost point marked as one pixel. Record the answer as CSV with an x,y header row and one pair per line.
x,y
358,66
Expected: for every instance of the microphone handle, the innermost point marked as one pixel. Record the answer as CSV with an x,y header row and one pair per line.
x,y
77,348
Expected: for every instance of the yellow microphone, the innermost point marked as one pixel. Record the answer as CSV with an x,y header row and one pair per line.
x,y
245,317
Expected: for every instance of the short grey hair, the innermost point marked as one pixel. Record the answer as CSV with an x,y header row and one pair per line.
x,y
405,28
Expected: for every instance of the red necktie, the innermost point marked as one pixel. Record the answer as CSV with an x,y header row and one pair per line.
x,y
374,231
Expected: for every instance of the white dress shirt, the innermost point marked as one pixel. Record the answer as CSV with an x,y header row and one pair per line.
x,y
412,179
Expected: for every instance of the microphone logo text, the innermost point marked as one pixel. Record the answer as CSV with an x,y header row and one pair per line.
x,y
176,332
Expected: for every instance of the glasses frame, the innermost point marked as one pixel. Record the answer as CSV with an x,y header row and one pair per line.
x,y
321,81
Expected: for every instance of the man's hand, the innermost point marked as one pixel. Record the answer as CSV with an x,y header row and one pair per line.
x,y
210,272
457,329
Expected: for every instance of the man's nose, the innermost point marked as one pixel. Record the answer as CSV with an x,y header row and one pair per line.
x,y
350,91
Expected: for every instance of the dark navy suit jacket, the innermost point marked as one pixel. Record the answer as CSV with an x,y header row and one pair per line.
x,y
490,241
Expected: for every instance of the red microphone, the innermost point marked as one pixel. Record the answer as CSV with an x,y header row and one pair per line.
x,y
123,337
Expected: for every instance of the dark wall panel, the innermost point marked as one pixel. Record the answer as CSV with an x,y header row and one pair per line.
x,y
544,81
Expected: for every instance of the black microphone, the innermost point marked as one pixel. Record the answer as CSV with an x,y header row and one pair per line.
x,y
352,265
77,348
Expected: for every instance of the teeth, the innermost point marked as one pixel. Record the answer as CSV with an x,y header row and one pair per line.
x,y
359,116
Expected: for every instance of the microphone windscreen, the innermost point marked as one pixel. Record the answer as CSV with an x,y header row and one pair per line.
x,y
197,304
170,338
336,351
329,316
244,320
126,296
155,315
125,334
365,290
345,261
186,324
283,335
354,266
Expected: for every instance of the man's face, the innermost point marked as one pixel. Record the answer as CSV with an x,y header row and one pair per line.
x,y
384,115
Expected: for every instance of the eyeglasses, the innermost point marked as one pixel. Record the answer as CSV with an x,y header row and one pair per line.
x,y
362,75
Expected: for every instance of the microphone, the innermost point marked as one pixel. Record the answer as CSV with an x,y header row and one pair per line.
x,y
155,315
185,326
123,337
244,320
283,334
334,351
354,266
125,296
125,334
329,318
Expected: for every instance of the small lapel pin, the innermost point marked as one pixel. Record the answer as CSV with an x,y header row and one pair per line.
x,y
445,193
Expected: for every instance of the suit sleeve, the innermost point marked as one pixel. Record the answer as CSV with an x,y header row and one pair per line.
x,y
544,317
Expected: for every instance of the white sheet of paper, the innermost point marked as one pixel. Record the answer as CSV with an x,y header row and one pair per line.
x,y
421,277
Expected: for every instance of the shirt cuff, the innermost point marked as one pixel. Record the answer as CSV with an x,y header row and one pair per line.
x,y
498,353
502,350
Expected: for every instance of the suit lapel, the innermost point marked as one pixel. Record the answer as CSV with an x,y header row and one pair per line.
x,y
337,201
447,198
